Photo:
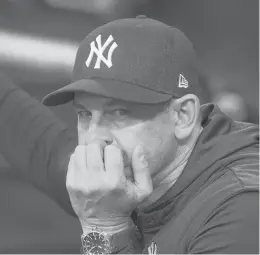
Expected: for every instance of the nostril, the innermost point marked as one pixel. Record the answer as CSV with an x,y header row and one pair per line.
x,y
108,142
101,137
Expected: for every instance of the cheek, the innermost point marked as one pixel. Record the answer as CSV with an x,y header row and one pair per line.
x,y
154,138
130,137
127,138
159,145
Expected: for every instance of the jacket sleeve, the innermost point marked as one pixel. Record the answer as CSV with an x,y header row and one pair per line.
x,y
232,228
35,142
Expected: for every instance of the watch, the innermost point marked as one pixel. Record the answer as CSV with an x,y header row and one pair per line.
x,y
96,242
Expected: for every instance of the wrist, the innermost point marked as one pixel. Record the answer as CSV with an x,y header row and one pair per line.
x,y
109,226
111,238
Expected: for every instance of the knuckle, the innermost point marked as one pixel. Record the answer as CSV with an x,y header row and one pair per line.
x,y
78,149
144,193
79,154
70,186
113,184
69,181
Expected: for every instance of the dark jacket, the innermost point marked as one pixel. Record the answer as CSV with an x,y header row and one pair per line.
x,y
212,208
35,142
36,145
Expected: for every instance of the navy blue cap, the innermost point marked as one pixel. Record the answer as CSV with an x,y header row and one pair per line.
x,y
138,60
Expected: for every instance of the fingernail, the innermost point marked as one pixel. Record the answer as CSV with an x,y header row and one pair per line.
x,y
141,155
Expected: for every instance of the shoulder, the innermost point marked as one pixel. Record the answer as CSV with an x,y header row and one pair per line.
x,y
246,168
229,214
232,227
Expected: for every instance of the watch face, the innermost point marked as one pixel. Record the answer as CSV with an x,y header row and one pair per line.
x,y
95,243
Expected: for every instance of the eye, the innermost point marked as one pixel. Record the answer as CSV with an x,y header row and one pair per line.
x,y
84,113
121,112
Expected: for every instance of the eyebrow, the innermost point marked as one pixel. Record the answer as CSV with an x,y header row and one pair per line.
x,y
111,102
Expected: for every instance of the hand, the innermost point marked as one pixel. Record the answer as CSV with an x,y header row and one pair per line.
x,y
98,188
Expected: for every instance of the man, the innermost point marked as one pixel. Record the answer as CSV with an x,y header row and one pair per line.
x,y
146,148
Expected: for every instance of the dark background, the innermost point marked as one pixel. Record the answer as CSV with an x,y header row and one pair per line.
x,y
225,36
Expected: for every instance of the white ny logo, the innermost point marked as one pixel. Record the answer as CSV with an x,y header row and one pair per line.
x,y
99,52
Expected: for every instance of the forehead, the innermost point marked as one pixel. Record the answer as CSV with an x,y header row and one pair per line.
x,y
90,101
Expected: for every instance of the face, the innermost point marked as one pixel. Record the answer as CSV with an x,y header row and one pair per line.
x,y
128,125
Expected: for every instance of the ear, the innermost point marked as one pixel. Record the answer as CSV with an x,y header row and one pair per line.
x,y
187,109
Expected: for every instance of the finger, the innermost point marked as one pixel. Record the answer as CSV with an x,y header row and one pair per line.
x,y
79,157
70,176
94,155
142,176
124,154
113,161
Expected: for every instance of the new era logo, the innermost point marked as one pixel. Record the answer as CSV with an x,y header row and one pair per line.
x,y
99,50
183,83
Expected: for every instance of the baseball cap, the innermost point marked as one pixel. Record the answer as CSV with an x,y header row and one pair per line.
x,y
136,59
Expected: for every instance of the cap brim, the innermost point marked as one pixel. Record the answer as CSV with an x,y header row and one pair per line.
x,y
105,88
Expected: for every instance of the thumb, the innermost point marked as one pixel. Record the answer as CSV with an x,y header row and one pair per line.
x,y
142,176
